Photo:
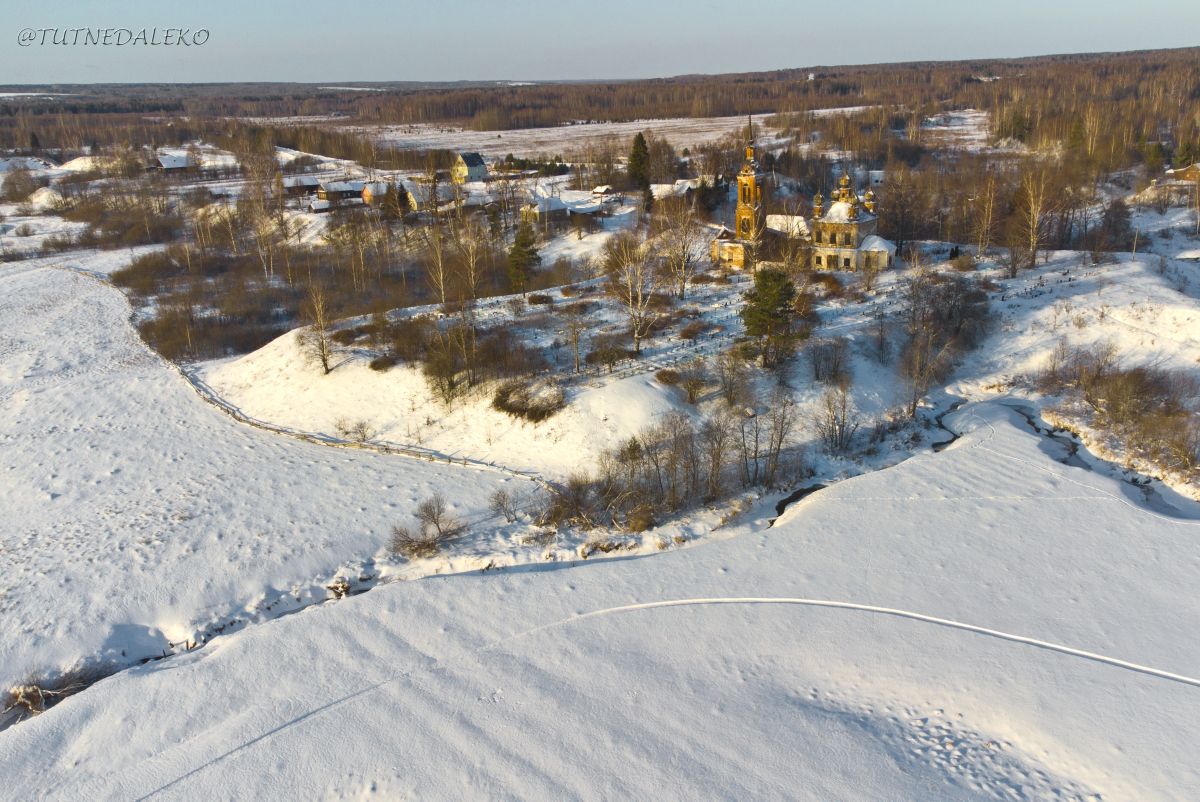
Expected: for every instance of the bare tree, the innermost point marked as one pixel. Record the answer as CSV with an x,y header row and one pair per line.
x,y
437,268
633,279
985,216
781,418
317,340
835,420
680,235
505,504
693,378
1034,201
576,326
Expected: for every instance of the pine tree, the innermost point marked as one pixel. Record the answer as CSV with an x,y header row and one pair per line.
x,y
522,256
639,163
770,311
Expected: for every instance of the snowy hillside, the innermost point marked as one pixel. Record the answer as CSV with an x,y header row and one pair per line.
x,y
109,458
278,383
983,623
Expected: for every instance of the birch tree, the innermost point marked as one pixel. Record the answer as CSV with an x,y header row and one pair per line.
x,y
633,279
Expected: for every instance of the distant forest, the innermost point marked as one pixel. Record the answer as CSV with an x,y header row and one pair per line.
x,y
1108,103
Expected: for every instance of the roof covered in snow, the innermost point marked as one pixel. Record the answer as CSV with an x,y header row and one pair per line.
x,y
174,161
24,162
876,243
343,186
840,213
301,181
793,225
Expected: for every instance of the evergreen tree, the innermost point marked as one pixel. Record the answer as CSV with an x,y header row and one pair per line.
x,y
639,163
522,256
770,311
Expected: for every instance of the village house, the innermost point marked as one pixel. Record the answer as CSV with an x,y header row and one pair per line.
x,y
373,192
422,199
294,185
468,167
173,162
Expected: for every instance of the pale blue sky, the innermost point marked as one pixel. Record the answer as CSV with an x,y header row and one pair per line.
x,y
394,40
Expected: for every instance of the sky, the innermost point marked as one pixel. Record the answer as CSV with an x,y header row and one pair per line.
x,y
445,40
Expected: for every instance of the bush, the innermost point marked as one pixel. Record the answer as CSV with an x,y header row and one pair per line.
x,y
39,693
358,431
964,263
830,285
23,230
345,336
1151,410
505,504
532,401
540,299
608,350
693,330
667,376
382,363
435,528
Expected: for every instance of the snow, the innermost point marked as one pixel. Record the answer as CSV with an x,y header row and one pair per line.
x,y
986,622
110,458
278,384
793,225
983,624
877,243
44,198
33,163
83,164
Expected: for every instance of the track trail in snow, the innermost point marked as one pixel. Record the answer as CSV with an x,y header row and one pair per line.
x,y
440,665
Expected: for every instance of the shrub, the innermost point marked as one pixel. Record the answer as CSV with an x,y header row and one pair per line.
x,y
540,298
964,263
640,518
358,431
505,504
345,336
23,230
39,693
693,330
608,350
534,401
436,527
829,284
667,376
382,363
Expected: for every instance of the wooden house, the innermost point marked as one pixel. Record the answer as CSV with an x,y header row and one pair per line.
x,y
468,167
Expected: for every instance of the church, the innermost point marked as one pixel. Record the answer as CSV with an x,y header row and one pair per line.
x,y
842,236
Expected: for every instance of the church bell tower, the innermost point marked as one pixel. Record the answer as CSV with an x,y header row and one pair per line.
x,y
750,215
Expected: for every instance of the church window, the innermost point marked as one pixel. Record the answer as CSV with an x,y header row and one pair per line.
x,y
820,236
818,261
846,262
846,238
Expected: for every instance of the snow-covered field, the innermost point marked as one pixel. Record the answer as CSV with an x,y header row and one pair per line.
x,y
983,623
560,140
